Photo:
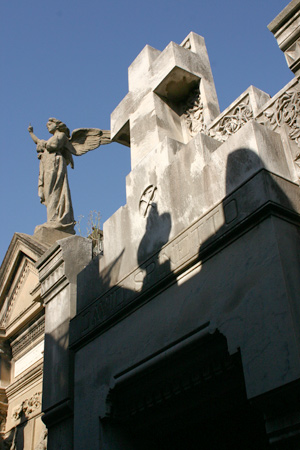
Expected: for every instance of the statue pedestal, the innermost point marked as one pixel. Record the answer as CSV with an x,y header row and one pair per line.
x,y
49,235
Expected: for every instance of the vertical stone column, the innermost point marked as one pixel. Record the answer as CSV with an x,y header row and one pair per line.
x,y
58,270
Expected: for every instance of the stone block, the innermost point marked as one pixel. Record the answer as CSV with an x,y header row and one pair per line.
x,y
160,87
139,71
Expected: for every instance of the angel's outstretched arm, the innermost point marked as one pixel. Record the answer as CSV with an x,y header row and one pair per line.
x,y
33,136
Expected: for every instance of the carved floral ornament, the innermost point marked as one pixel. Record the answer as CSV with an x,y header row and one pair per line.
x,y
231,123
286,110
28,406
228,125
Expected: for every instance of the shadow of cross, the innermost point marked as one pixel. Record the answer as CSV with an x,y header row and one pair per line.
x,y
159,85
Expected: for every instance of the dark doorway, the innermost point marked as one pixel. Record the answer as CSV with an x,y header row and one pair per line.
x,y
195,400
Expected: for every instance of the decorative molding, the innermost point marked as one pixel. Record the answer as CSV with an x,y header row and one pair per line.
x,y
28,337
233,121
28,407
53,278
292,54
50,263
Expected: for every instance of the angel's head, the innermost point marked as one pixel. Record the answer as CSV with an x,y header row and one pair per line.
x,y
55,124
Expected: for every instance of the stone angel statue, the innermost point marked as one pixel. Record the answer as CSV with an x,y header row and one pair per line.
x,y
55,154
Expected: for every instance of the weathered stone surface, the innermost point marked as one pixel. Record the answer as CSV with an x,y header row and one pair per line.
x,y
190,318
159,86
237,209
188,181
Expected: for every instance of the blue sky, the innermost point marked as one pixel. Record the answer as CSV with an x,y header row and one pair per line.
x,y
68,59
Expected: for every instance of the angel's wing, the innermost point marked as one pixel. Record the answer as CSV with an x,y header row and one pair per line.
x,y
85,139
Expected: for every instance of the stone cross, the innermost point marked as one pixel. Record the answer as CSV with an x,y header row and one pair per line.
x,y
171,93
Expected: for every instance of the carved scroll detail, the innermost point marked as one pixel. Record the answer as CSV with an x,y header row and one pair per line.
x,y
231,123
193,113
285,112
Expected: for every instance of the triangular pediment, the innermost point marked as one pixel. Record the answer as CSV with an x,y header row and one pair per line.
x,y
19,283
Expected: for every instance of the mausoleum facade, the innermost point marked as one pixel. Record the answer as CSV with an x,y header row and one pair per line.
x,y
184,331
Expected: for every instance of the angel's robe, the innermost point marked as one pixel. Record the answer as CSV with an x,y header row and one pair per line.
x,y
53,186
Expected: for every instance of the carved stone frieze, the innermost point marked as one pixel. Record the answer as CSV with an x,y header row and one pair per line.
x,y
233,121
25,339
28,407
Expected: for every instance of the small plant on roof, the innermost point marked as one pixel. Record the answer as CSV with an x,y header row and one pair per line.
x,y
94,231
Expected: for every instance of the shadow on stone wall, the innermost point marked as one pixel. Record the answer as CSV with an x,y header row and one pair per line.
x,y
15,439
216,299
